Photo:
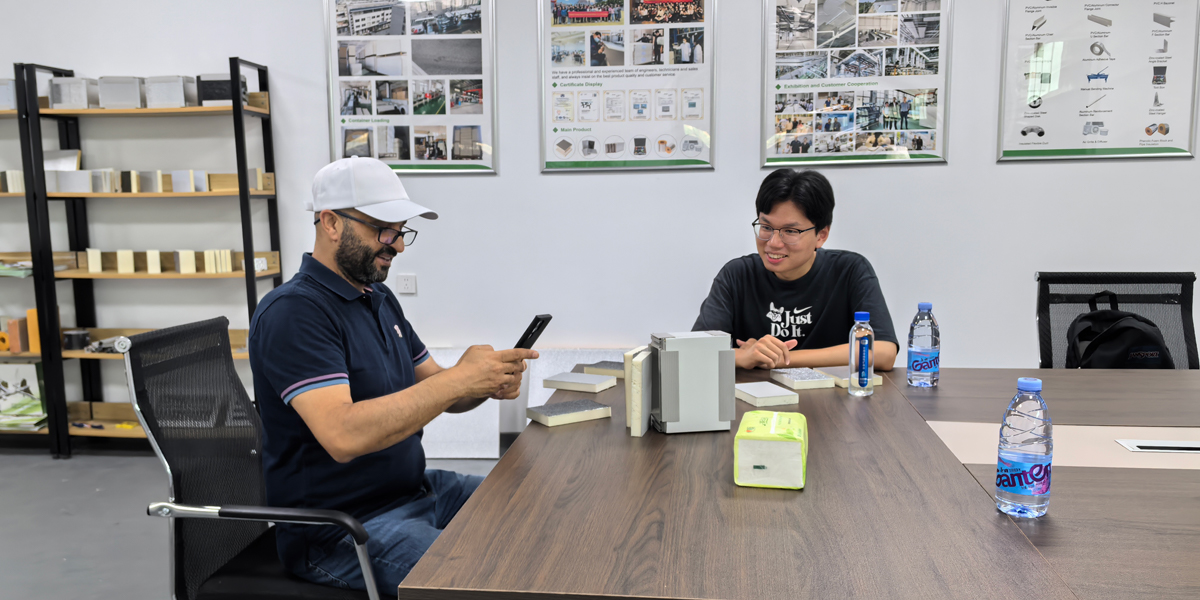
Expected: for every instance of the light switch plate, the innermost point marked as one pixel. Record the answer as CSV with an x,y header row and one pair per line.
x,y
406,283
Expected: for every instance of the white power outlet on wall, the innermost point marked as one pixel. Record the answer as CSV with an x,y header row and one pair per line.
x,y
406,283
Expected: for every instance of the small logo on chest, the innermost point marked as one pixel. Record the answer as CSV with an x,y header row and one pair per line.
x,y
398,332
788,323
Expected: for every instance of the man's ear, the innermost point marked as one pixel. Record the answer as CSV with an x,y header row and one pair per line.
x,y
330,224
823,236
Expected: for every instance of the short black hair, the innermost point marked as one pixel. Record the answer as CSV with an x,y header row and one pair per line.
x,y
808,190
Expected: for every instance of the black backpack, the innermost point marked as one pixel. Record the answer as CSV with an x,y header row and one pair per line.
x,y
1115,339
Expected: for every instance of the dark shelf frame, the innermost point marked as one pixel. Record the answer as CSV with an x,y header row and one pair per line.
x,y
37,204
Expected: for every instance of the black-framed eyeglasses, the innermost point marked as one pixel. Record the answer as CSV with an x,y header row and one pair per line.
x,y
387,235
789,236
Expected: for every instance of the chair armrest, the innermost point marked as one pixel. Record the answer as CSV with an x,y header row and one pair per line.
x,y
306,516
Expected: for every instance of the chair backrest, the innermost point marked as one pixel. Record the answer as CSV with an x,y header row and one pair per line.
x,y
207,432
1164,298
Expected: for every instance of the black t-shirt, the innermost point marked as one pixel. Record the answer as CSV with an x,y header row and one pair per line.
x,y
817,310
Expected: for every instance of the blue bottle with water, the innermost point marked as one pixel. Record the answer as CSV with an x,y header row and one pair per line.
x,y
924,348
862,356
1025,453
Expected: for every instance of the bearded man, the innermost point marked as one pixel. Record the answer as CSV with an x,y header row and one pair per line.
x,y
345,387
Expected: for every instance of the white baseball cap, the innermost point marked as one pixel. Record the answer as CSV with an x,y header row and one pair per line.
x,y
368,185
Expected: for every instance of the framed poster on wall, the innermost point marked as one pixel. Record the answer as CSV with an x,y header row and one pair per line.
x,y
855,81
1086,79
626,84
412,83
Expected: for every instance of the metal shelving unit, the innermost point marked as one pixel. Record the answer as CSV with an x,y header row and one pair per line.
x,y
30,117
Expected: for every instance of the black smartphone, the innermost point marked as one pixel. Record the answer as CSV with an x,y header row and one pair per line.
x,y
533,331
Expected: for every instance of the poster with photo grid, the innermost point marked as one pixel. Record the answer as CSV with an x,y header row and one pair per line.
x,y
626,84
412,83
854,81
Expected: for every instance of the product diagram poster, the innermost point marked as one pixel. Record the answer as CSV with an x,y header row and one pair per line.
x,y
626,84
412,83
855,81
1086,79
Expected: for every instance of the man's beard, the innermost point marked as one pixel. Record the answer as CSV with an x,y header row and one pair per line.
x,y
357,260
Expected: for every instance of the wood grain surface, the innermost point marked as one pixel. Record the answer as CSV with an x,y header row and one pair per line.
x,y
1159,398
585,510
1119,533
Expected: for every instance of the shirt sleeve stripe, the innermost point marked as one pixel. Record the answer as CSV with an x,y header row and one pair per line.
x,y
320,384
288,392
420,358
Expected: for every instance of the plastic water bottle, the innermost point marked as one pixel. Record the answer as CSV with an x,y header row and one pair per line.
x,y
862,357
924,348
1026,450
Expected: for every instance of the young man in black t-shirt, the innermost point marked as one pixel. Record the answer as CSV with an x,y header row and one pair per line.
x,y
793,303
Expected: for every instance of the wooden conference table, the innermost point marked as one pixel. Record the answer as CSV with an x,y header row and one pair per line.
x,y
1110,532
586,511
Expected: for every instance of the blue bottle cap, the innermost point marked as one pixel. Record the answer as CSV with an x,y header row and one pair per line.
x,y
925,306
1029,384
862,316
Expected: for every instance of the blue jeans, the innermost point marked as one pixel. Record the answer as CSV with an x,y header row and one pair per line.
x,y
398,538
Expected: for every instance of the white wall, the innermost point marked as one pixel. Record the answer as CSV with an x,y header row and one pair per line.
x,y
613,256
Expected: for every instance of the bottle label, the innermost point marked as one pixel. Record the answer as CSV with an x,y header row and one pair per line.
x,y
864,361
923,361
1023,478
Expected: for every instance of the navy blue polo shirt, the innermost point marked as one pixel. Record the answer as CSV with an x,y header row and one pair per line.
x,y
314,331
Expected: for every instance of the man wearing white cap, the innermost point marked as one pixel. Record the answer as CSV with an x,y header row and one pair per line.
x,y
345,386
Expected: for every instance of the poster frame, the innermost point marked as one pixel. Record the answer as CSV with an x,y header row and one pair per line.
x,y
1190,151
488,65
712,48
944,58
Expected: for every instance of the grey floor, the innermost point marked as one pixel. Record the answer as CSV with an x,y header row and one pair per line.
x,y
78,528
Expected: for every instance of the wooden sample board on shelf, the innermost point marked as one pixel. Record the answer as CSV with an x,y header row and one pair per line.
x,y
218,194
107,415
67,259
237,341
187,111
168,271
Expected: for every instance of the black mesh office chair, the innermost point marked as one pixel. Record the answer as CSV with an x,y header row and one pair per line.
x,y
207,433
1165,298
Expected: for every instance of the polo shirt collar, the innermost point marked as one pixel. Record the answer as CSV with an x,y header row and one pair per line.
x,y
326,277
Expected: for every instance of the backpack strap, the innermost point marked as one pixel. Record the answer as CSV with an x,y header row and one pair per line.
x,y
1112,300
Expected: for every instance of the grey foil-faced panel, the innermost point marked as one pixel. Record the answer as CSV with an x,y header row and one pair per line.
x,y
667,374
566,408
726,386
